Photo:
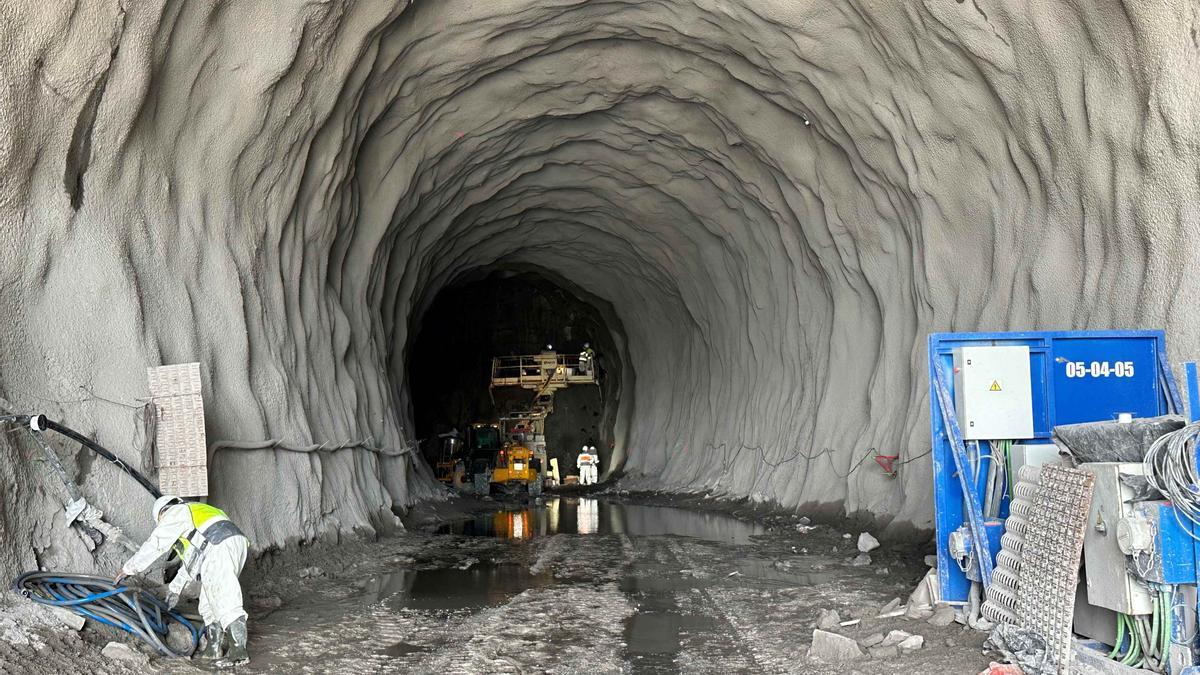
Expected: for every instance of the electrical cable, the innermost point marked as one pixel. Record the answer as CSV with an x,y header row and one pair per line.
x,y
730,457
103,452
132,610
1120,637
1171,469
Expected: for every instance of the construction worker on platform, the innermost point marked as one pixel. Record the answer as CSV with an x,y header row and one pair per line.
x,y
587,359
212,551
587,462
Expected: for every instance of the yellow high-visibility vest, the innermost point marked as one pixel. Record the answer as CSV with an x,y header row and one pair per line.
x,y
201,514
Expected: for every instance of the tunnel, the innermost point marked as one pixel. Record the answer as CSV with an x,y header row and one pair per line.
x,y
757,211
507,314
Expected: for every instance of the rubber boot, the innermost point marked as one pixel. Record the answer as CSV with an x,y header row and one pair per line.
x,y
235,646
212,642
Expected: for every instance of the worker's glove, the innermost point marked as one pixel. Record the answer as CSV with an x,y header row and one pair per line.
x,y
172,600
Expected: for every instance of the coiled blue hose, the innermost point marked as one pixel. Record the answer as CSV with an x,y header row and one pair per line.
x,y
131,609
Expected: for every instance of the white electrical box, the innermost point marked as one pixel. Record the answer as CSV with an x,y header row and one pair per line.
x,y
993,395
1033,454
1109,583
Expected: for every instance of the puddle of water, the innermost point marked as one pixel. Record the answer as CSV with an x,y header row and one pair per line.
x,y
583,515
797,575
483,585
654,635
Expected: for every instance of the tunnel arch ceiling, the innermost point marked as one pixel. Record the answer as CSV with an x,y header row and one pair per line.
x,y
779,199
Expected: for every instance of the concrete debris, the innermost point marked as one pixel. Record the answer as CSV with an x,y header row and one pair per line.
x,y
851,622
931,561
881,652
310,572
892,604
119,651
69,619
871,640
833,648
828,618
860,560
867,543
805,529
942,616
912,643
895,637
803,520
918,613
882,572
928,591
847,536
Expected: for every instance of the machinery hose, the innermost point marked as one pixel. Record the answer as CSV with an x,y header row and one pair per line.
x,y
103,452
132,610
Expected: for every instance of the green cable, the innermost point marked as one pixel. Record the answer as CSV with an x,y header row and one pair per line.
x,y
1120,636
1136,659
1151,648
1135,643
1165,598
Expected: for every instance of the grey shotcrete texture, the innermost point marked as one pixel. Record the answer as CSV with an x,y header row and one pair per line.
x,y
778,199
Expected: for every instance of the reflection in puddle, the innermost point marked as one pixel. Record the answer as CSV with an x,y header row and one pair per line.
x,y
562,515
483,585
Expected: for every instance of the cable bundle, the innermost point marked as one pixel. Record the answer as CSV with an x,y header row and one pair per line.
x,y
1171,469
130,609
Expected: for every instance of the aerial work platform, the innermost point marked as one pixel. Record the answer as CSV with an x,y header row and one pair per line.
x,y
544,372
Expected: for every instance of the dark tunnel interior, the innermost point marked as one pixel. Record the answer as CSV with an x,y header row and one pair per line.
x,y
510,312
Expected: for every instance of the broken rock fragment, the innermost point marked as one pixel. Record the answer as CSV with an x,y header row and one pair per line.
x,y
833,648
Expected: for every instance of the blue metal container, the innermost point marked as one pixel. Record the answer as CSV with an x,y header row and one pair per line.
x,y
1076,376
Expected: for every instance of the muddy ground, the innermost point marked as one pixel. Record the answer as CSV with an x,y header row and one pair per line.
x,y
606,583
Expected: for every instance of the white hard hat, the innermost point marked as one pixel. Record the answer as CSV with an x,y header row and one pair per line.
x,y
162,503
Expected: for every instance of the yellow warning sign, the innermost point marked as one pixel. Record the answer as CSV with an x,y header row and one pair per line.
x,y
995,386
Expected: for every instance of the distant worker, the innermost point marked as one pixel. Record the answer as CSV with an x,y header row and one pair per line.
x,y
212,551
587,359
587,462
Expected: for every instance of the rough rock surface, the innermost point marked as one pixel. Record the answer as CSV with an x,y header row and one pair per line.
x,y
778,200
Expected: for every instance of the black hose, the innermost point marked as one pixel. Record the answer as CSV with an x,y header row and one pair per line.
x,y
130,609
46,423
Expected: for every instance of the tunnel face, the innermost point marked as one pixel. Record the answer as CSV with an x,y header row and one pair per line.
x,y
777,199
512,313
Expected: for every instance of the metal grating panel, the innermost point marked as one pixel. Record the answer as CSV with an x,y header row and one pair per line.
x,y
1050,556
181,444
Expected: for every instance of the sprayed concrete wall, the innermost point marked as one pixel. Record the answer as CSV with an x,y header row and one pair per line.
x,y
779,199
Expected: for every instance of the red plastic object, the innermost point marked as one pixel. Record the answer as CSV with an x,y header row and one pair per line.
x,y
887,463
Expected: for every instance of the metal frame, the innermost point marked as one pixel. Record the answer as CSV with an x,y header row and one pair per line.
x,y
950,509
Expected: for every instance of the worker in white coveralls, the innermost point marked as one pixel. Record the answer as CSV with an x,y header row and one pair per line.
x,y
587,462
212,551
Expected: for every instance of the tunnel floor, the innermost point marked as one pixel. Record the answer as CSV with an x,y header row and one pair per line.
x,y
607,583
590,584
